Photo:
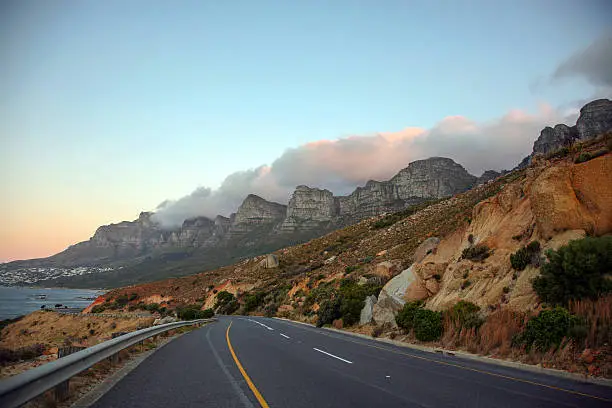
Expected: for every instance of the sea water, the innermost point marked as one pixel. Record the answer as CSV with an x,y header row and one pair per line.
x,y
16,301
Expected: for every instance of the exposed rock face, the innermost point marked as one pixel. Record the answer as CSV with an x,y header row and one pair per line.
x,y
308,208
436,177
595,119
552,139
255,212
366,313
487,176
194,232
374,198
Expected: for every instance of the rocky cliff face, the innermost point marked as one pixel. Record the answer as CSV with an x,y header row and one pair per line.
x,y
433,178
254,213
595,119
308,208
436,177
552,139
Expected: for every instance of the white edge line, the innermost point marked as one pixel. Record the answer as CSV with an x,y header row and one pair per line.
x,y
285,336
331,355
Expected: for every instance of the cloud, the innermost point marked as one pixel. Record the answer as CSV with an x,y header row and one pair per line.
x,y
341,165
593,63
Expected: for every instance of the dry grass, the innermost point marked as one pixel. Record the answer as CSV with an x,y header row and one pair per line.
x,y
597,315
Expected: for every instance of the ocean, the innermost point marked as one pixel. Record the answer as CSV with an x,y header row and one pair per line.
x,y
17,301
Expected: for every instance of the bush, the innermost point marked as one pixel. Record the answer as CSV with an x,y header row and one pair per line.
x,y
253,300
427,325
8,356
576,271
98,309
351,268
527,255
192,312
133,296
226,303
547,329
465,314
584,157
329,311
405,317
475,253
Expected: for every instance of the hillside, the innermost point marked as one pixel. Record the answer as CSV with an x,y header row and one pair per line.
x,y
424,253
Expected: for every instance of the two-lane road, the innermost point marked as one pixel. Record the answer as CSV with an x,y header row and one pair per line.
x,y
253,362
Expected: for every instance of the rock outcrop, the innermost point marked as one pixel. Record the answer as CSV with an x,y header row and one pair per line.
x,y
309,208
552,139
436,177
256,212
595,119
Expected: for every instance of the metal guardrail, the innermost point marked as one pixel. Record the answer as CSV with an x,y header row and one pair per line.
x,y
19,389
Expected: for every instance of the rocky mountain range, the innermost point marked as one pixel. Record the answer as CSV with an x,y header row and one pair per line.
x,y
142,249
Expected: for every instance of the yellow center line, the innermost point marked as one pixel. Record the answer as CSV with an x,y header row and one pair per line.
x,y
479,371
258,395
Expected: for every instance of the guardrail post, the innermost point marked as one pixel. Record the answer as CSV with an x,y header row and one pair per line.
x,y
62,390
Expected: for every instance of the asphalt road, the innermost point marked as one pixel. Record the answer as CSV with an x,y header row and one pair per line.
x,y
285,364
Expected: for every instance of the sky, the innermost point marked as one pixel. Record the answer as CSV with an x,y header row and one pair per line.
x,y
112,108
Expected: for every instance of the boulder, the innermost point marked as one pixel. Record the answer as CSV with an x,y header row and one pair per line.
x,y
385,309
385,269
391,298
362,281
270,261
382,253
338,324
426,247
330,260
366,313
164,320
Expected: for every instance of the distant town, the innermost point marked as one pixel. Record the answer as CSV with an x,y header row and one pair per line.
x,y
35,275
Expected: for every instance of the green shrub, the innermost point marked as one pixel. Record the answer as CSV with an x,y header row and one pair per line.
x,y
575,271
133,296
465,314
253,300
352,299
527,255
586,156
226,303
192,312
351,268
478,253
466,284
152,307
427,325
405,317
329,311
547,329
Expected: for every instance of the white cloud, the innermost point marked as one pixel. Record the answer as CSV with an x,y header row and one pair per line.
x,y
342,164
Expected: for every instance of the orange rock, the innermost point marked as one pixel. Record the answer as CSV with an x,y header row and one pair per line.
x,y
587,356
338,324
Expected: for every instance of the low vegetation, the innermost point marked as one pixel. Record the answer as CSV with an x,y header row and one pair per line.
x,y
426,324
344,302
476,253
578,270
527,255
226,303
